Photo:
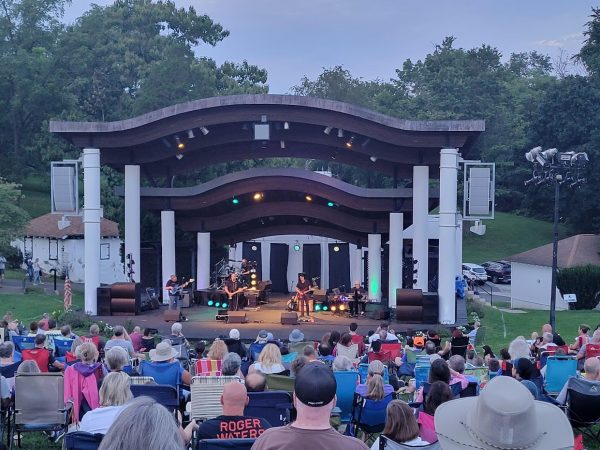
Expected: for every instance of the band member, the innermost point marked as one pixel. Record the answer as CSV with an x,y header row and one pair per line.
x,y
174,292
233,289
302,289
358,294
245,269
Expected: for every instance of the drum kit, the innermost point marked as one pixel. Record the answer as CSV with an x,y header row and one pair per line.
x,y
224,268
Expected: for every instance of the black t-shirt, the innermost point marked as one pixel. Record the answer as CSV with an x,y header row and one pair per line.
x,y
357,293
174,285
232,427
232,286
303,286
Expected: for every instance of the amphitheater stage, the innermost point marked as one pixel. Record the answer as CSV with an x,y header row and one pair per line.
x,y
202,324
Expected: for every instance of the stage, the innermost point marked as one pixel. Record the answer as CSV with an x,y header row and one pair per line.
x,y
201,322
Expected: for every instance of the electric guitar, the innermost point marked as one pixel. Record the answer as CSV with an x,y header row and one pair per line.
x,y
302,295
176,289
242,289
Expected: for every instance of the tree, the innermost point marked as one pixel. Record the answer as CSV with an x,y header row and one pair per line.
x,y
12,217
589,54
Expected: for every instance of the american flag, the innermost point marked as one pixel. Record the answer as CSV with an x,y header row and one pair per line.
x,y
68,294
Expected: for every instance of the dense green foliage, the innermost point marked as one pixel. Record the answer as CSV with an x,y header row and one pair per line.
x,y
583,281
13,218
118,61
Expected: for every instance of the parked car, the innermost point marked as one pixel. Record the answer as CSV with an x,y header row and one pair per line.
x,y
474,273
498,271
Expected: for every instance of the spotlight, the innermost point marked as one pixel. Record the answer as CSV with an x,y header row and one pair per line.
x,y
180,143
373,158
330,204
286,125
327,130
318,307
531,154
210,303
204,130
308,198
296,247
179,156
333,309
282,144
224,305
258,196
235,200
336,248
325,308
342,307
253,282
217,304
254,248
253,276
350,142
340,133
191,134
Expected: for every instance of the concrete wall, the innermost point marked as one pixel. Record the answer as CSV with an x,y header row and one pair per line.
x,y
530,288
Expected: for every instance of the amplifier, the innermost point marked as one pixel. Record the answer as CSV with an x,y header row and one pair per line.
x,y
103,298
171,315
289,318
430,307
185,299
236,317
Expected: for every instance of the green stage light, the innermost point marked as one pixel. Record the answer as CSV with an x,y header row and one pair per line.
x,y
296,247
330,204
210,303
317,307
224,305
325,308
235,201
218,304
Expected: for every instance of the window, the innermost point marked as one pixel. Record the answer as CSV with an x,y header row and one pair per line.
x,y
53,249
104,251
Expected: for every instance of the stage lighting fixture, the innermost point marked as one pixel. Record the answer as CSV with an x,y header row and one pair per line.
x,y
224,305
336,248
204,130
373,158
318,307
330,204
286,125
325,308
210,303
258,196
308,198
350,142
333,309
180,143
254,248
342,307
217,304
282,144
253,276
235,200
253,282
327,130
296,247
340,133
191,134
179,156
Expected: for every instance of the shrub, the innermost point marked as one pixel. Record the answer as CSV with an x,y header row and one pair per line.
x,y
583,281
14,257
475,308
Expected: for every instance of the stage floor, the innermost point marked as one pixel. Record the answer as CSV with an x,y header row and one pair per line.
x,y
201,322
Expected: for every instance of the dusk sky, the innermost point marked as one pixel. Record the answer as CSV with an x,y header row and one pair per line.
x,y
296,38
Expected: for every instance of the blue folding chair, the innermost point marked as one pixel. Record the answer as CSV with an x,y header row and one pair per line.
x,y
23,343
62,346
558,371
225,444
80,440
421,375
346,386
163,373
273,406
255,349
163,394
369,416
363,371
286,360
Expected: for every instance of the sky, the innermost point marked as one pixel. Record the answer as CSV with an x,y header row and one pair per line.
x,y
372,38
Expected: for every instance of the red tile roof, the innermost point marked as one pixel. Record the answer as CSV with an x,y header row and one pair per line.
x,y
573,251
47,226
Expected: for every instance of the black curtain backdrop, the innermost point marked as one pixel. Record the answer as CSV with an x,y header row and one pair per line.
x,y
339,266
311,261
279,266
253,255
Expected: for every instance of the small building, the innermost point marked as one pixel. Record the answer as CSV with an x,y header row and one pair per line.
x,y
532,270
57,241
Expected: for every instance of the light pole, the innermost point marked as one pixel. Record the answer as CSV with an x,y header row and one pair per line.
x,y
554,167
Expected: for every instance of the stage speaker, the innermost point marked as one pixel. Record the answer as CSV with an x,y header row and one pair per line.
x,y
252,298
430,307
377,311
236,317
171,315
103,298
289,318
185,299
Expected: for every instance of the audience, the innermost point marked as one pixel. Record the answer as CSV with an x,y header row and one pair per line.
x,y
296,336
235,345
269,361
374,387
233,424
314,398
342,363
591,377
346,347
116,359
81,381
8,365
518,348
298,364
162,370
232,365
176,337
400,426
382,334
357,338
113,396
256,382
95,338
33,329
147,341
439,392
120,339
217,350
594,340
136,338
310,353
41,355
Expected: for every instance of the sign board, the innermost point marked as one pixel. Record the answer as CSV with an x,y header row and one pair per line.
x,y
479,190
570,298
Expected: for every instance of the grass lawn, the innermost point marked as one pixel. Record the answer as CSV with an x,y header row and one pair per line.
x,y
507,235
36,195
31,306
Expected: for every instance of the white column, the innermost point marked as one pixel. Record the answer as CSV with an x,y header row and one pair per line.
x,y
459,244
132,217
395,267
358,258
420,229
355,262
91,221
325,264
266,260
294,266
203,261
167,237
447,244
374,267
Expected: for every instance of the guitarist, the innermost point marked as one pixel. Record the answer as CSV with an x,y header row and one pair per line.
x,y
174,289
234,290
303,287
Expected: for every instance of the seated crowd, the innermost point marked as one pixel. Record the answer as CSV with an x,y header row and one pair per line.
x,y
446,395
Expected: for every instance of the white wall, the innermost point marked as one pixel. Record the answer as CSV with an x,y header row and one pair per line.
x,y
530,287
71,257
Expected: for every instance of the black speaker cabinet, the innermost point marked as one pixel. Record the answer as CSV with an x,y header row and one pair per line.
x,y
289,318
409,305
103,299
171,315
377,311
236,317
430,307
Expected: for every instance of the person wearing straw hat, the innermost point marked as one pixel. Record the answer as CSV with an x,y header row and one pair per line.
x,y
296,336
504,416
160,357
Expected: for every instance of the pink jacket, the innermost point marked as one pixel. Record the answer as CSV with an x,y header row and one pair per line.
x,y
81,381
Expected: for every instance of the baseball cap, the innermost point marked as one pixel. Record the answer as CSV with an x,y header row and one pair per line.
x,y
315,385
